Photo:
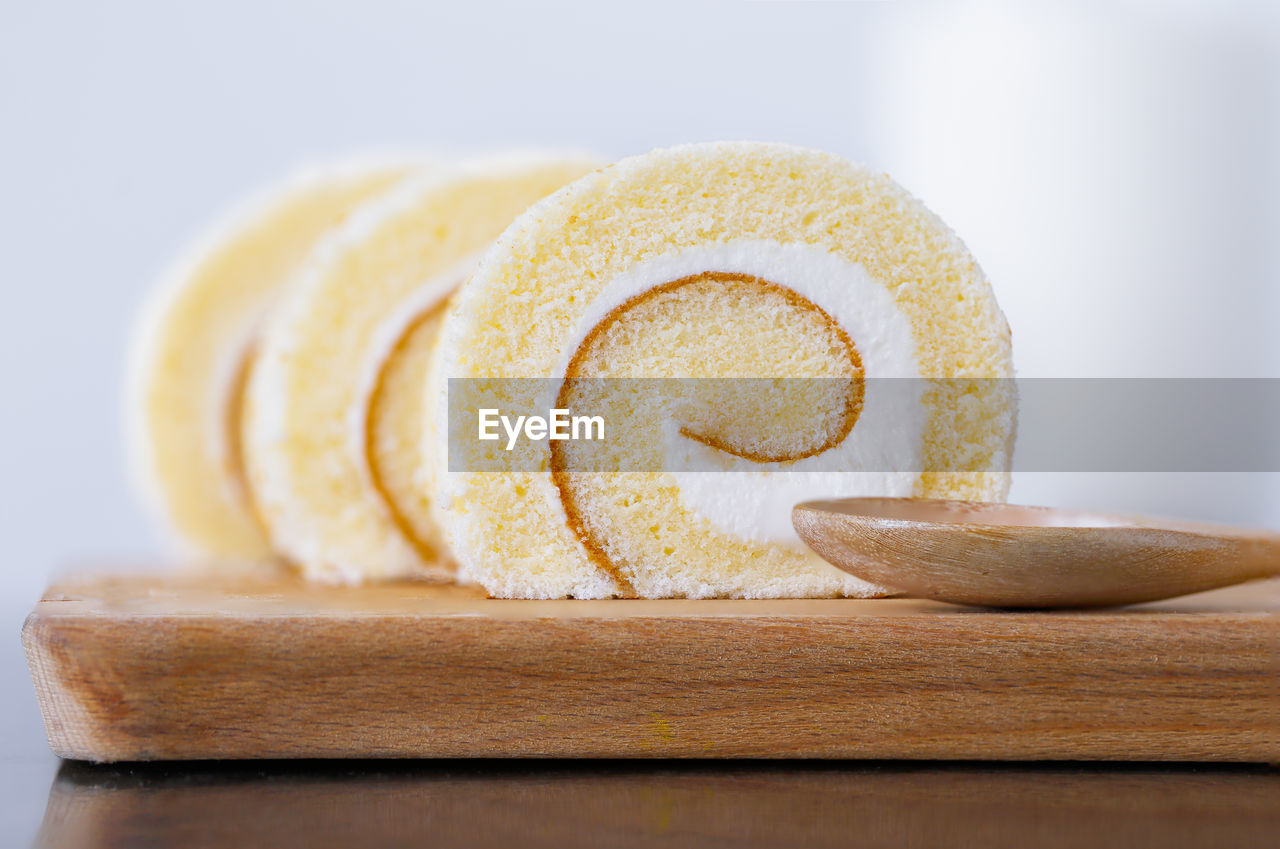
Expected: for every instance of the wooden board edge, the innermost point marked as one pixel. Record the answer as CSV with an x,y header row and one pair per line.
x,y
64,718
80,726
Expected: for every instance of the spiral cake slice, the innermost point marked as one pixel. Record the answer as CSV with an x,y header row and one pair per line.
x,y
334,407
740,263
195,349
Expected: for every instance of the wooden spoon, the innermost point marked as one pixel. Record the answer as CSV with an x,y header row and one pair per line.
x,y
1003,555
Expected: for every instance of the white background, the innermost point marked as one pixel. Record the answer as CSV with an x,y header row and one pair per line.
x,y
1113,166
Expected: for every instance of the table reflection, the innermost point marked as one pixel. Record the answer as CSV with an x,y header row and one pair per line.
x,y
565,804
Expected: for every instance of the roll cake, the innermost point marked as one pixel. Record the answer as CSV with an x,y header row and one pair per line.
x,y
737,261
195,347
333,412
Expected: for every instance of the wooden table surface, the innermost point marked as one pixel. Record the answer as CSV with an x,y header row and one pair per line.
x,y
170,666
671,804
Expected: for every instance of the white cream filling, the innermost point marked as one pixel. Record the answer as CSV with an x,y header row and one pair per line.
x,y
753,501
225,389
382,343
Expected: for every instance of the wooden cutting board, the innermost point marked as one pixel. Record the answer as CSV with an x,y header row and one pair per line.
x,y
182,666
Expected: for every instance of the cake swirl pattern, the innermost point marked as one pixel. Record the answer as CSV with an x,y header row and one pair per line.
x,y
757,442
725,261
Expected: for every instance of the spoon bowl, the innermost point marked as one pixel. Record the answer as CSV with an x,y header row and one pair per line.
x,y
1004,555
